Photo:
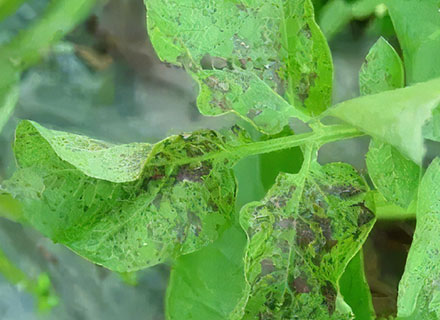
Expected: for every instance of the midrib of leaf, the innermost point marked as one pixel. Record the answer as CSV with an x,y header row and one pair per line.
x,y
321,136
310,154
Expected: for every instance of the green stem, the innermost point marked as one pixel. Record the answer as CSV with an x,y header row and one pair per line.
x,y
8,7
321,136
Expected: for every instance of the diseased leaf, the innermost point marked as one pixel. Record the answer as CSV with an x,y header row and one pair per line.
x,y
355,289
394,176
419,289
301,237
417,24
207,284
406,109
143,205
245,55
382,69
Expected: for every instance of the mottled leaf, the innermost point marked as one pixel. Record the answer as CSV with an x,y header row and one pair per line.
x,y
207,284
245,55
406,109
417,24
355,289
301,237
393,175
382,69
125,207
419,289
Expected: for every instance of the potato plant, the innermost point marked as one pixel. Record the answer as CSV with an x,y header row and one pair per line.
x,y
297,252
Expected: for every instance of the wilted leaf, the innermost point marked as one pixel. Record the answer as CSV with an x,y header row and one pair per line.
x,y
245,54
125,207
301,237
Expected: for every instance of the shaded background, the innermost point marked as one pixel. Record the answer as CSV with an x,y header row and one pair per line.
x,y
105,81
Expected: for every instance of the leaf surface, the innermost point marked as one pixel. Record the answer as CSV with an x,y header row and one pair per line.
x,y
207,284
143,205
407,109
301,237
355,289
419,289
417,24
393,175
245,55
382,69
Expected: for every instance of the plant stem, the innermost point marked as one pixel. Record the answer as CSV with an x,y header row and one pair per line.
x,y
321,136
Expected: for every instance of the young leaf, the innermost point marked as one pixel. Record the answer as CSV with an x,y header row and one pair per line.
x,y
355,289
207,284
245,54
396,116
417,26
382,69
419,289
301,237
125,207
394,176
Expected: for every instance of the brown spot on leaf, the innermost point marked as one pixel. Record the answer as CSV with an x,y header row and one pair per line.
x,y
186,172
299,285
365,215
329,293
304,234
267,267
252,113
343,192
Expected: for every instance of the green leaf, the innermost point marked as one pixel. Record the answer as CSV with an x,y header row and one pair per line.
x,y
382,69
396,116
394,176
301,237
245,54
125,207
419,289
417,24
431,130
355,289
208,284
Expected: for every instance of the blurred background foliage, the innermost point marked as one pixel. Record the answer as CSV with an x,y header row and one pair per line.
x,y
104,80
